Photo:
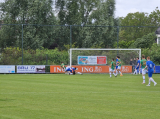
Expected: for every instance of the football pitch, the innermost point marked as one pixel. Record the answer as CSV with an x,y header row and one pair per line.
x,y
88,96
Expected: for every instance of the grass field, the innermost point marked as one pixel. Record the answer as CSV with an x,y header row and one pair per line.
x,y
88,96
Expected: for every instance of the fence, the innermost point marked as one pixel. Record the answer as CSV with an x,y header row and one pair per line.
x,y
12,69
29,37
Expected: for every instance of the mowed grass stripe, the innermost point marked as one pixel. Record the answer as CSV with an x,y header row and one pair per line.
x,y
88,96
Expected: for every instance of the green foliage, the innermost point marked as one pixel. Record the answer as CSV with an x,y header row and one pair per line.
x,y
123,44
27,12
33,57
153,52
145,42
136,25
91,12
131,33
154,18
35,13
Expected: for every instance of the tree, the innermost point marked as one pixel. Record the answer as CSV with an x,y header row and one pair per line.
x,y
27,12
131,27
154,18
136,25
73,12
89,13
145,42
153,52
103,16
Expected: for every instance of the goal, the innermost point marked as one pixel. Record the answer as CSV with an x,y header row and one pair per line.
x,y
101,56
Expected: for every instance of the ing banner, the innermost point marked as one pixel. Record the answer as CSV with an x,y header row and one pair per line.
x,y
90,69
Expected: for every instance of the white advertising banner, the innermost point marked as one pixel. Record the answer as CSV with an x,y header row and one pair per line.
x,y
7,69
31,69
92,60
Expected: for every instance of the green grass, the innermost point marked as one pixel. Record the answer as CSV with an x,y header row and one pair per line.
x,y
88,96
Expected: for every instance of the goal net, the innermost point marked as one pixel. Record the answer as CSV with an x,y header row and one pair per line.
x,y
98,56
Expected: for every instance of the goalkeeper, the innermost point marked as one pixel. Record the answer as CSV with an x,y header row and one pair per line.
x,y
69,70
72,71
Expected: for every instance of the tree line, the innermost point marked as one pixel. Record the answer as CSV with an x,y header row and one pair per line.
x,y
35,14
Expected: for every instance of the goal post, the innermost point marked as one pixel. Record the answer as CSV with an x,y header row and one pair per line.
x,y
125,54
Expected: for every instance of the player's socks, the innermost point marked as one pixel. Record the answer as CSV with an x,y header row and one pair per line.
x,y
114,74
149,81
120,73
134,72
152,80
110,74
143,79
117,73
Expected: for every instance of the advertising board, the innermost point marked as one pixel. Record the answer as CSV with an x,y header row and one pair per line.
x,y
7,68
91,60
30,68
89,69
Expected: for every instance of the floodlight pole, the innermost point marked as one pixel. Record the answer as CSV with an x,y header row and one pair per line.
x,y
117,36
117,39
70,36
22,44
70,57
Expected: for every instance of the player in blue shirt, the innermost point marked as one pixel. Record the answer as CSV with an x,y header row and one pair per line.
x,y
116,64
137,68
150,65
72,70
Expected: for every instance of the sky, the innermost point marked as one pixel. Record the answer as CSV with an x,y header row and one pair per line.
x,y
123,7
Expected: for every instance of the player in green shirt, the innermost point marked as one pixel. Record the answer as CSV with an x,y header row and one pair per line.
x,y
63,66
119,66
112,68
143,65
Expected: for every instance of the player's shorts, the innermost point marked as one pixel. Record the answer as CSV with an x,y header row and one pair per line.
x,y
150,72
116,67
111,70
137,68
144,71
119,67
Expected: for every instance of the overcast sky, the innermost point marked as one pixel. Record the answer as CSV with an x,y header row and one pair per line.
x,y
123,7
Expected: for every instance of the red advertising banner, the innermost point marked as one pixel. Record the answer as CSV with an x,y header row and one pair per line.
x,y
101,59
90,69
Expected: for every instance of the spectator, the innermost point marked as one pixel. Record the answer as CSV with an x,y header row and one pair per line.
x,y
134,64
131,62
